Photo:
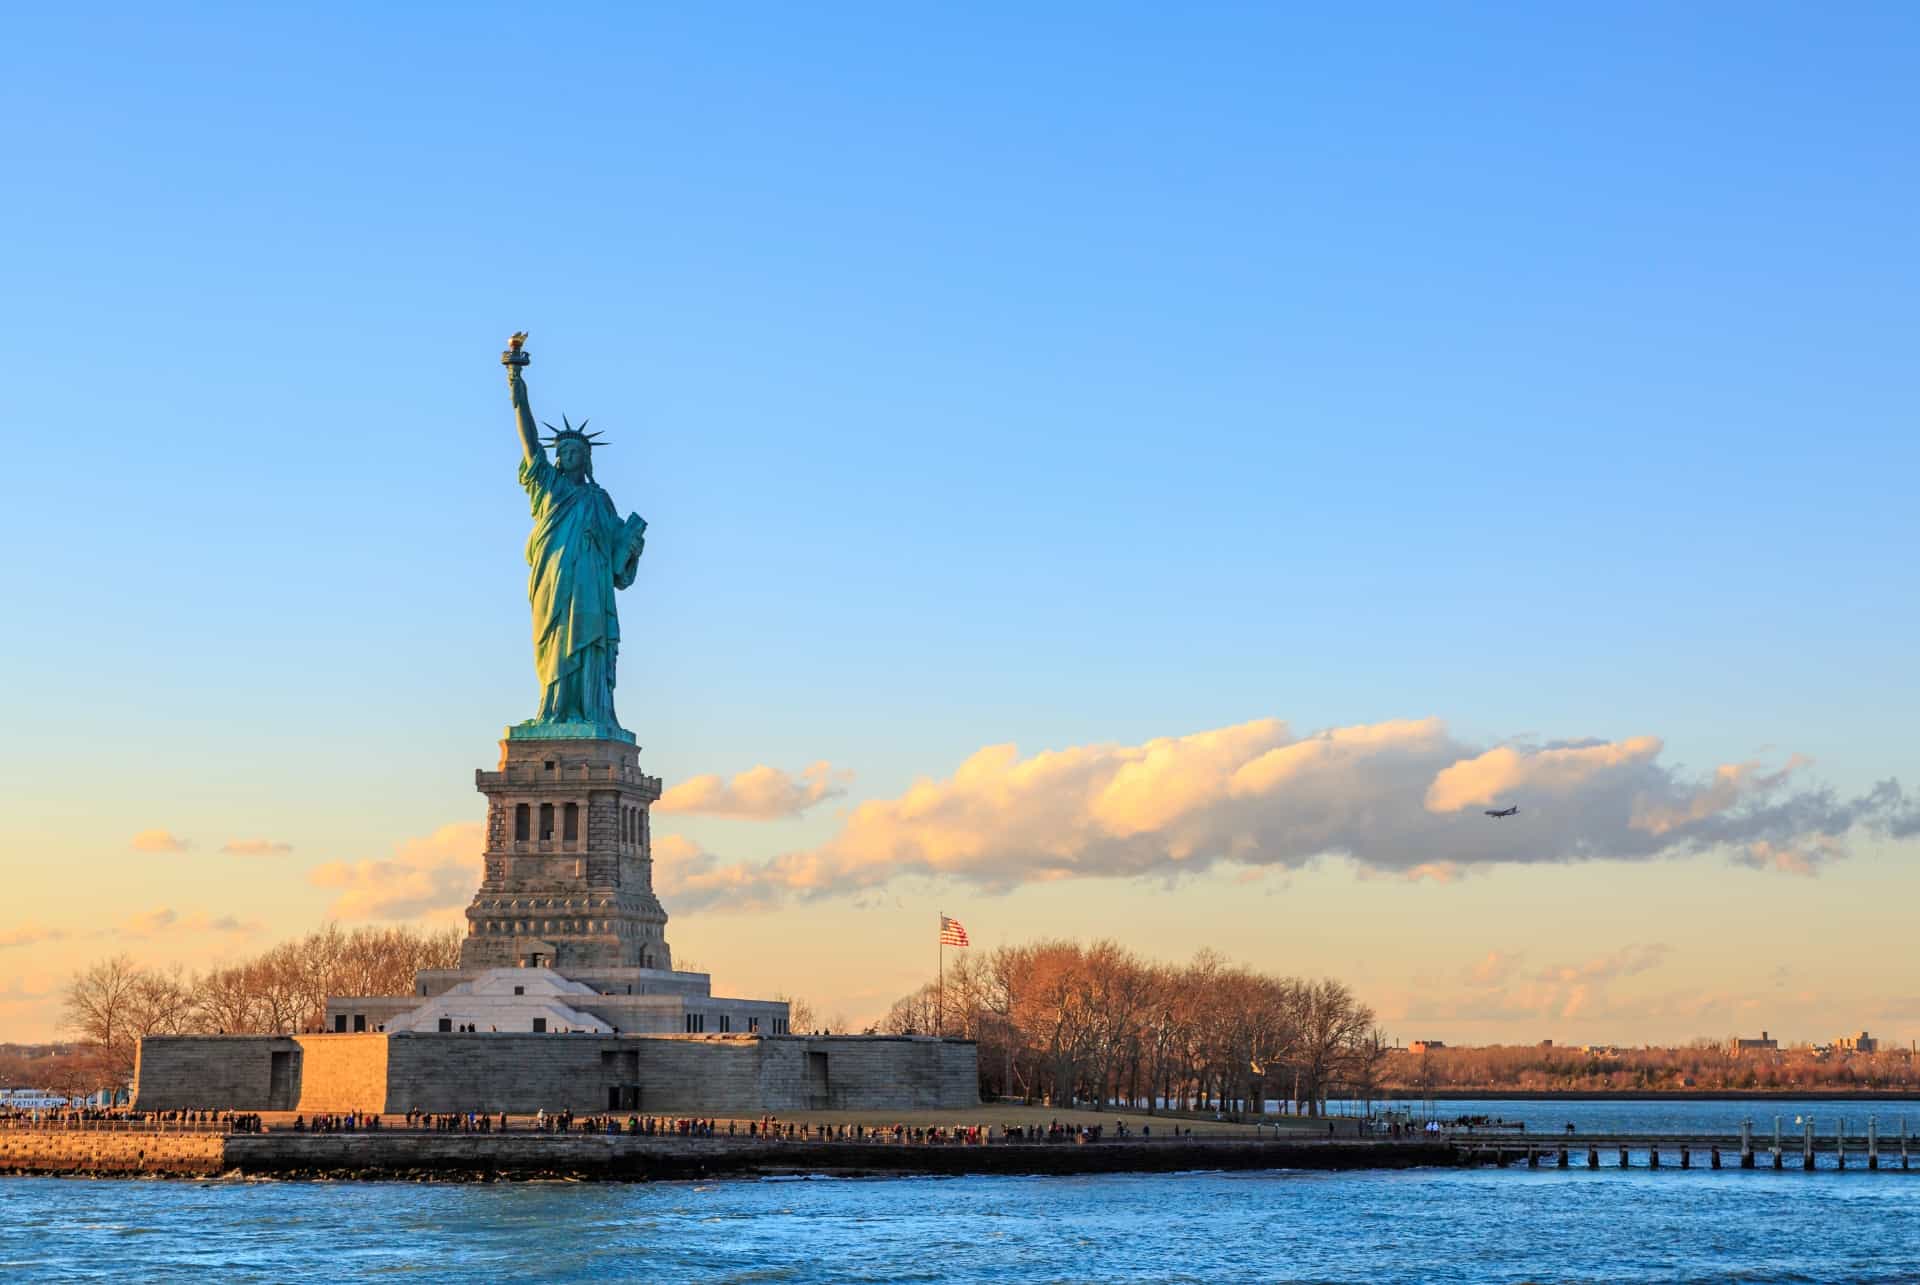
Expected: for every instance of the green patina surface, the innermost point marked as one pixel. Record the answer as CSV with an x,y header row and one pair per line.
x,y
579,554
535,730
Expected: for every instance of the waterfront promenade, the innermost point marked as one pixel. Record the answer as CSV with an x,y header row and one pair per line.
x,y
640,1148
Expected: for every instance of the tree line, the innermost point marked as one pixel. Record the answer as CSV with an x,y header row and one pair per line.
x,y
1061,1023
1705,1064
114,1002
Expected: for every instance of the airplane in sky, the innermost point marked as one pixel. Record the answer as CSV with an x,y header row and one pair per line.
x,y
1503,812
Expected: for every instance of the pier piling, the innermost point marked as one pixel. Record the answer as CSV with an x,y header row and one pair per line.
x,y
1873,1142
1746,1144
1623,1157
1806,1146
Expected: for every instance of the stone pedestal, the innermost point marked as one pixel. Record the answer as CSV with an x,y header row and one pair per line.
x,y
569,860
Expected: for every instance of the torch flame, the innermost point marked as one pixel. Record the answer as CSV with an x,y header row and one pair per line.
x,y
519,337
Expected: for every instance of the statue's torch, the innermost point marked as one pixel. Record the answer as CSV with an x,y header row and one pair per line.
x,y
516,355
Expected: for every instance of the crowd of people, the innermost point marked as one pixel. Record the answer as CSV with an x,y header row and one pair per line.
x,y
337,1122
945,1135
766,1128
114,1118
1057,1132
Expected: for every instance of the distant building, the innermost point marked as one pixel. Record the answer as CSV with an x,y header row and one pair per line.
x,y
1423,1046
1859,1042
1765,1044
1546,1044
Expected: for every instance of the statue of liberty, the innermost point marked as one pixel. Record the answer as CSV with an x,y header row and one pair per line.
x,y
579,553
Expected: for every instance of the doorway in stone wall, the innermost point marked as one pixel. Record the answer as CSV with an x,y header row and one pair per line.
x,y
622,1069
817,1095
280,1082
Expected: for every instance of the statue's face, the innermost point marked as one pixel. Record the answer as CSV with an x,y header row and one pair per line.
x,y
572,455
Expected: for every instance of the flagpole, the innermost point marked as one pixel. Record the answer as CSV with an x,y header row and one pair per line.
x,y
940,988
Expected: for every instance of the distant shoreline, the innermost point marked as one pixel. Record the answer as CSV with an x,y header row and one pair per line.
x,y
1654,1095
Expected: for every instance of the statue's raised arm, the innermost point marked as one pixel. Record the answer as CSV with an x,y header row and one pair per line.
x,y
515,359
578,555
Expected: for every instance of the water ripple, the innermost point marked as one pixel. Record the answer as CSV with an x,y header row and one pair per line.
x,y
1434,1225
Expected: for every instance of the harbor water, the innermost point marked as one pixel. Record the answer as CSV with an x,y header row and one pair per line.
x,y
1441,1225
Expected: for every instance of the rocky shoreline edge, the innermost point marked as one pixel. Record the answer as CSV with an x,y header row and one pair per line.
x,y
549,1157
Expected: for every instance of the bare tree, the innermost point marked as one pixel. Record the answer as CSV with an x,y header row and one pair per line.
x,y
161,1003
1367,1058
913,1014
99,1006
1331,1022
800,1014
281,988
1062,1021
225,1003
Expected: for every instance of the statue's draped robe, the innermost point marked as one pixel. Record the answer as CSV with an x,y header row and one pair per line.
x,y
579,553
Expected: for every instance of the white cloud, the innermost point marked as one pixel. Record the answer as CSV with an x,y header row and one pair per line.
x,y
159,841
434,873
1400,798
761,793
256,847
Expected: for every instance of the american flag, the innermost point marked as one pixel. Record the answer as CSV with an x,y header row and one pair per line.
x,y
951,933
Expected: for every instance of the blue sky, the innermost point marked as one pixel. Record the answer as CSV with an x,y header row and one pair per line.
x,y
1063,378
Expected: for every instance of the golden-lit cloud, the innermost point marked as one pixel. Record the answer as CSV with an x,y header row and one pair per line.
x,y
1804,859
1563,772
1493,968
1496,990
256,847
33,998
1620,963
1580,990
1402,798
434,873
165,921
148,923
31,934
1730,781
761,793
684,873
159,841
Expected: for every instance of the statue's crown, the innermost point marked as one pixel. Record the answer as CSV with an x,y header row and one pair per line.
x,y
579,434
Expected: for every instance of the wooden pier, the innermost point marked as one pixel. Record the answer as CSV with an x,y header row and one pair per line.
x,y
1802,1149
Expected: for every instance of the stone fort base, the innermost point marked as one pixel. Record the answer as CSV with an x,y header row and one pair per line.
x,y
726,1075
